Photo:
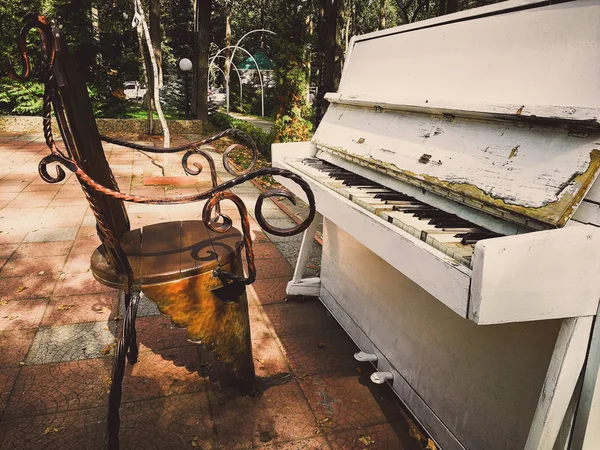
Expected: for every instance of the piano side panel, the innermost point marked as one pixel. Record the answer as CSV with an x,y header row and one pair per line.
x,y
555,270
483,382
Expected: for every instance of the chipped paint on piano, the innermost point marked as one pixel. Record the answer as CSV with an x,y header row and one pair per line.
x,y
534,175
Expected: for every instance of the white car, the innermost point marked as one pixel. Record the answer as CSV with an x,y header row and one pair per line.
x,y
134,90
217,96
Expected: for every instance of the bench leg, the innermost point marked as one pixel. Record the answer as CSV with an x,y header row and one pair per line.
x,y
132,350
126,342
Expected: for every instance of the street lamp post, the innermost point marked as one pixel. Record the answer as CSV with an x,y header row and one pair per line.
x,y
186,67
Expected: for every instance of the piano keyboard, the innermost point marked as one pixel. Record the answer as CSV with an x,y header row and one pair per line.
x,y
446,232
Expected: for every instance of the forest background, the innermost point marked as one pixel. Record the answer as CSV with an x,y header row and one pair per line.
x,y
308,48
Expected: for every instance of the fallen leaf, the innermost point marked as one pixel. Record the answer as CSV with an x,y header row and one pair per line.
x,y
21,288
118,318
3,302
366,441
41,272
102,310
65,307
49,430
196,441
260,361
106,350
11,317
430,445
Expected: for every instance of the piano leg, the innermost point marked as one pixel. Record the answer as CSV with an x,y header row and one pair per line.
x,y
305,286
561,382
586,433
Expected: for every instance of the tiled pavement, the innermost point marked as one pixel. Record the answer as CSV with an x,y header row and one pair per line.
x,y
57,333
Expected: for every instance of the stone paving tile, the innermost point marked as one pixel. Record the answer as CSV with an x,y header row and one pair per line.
x,y
76,282
297,317
12,236
51,234
71,342
6,250
30,286
157,333
318,443
280,414
81,308
20,266
384,436
347,400
8,376
26,214
21,314
67,386
44,249
14,345
272,268
71,430
265,251
269,291
319,351
166,372
146,307
173,422
268,358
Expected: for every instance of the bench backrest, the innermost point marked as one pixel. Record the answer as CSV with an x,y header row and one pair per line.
x,y
82,139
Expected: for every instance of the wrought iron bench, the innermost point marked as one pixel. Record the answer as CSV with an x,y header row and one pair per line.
x,y
191,269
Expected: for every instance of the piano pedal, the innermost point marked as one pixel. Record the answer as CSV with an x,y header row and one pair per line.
x,y
365,357
381,377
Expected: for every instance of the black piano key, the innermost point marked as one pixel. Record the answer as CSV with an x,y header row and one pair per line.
x,y
393,196
436,214
361,183
450,223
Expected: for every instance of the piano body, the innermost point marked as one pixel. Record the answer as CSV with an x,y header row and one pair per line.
x,y
454,171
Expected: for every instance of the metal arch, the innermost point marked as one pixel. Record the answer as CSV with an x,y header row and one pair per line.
x,y
226,80
262,89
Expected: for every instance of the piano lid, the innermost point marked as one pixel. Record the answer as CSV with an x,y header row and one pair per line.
x,y
498,109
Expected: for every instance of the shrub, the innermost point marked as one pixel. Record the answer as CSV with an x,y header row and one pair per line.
x,y
262,139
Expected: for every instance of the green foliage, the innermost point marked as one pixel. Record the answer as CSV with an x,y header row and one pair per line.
x,y
262,139
21,98
292,127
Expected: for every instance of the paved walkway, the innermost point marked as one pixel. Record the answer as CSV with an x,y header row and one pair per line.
x,y
58,325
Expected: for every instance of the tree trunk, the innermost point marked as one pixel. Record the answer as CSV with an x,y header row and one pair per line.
x,y
328,38
382,11
451,6
442,8
202,43
154,17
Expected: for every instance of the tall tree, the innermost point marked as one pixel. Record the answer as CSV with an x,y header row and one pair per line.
x,y
382,10
203,10
155,36
328,32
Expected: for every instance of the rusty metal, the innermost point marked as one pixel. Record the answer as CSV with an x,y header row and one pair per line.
x,y
221,290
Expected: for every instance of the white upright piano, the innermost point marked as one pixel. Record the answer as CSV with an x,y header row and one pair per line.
x,y
455,175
